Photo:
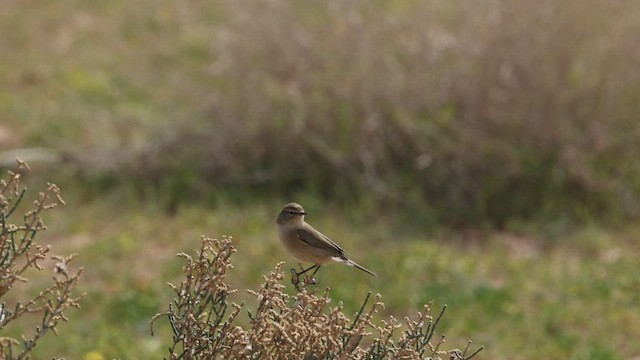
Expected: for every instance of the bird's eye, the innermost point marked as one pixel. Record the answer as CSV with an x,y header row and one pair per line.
x,y
291,212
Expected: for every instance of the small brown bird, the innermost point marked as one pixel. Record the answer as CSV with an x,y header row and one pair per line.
x,y
308,244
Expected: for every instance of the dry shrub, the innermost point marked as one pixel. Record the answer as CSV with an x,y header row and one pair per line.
x,y
19,252
480,111
487,110
303,326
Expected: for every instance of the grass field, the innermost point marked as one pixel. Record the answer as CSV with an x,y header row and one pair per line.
x,y
482,156
523,296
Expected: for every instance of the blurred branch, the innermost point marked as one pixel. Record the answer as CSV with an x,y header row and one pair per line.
x,y
30,155
18,253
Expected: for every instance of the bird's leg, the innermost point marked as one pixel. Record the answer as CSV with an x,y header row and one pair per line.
x,y
316,266
295,276
313,280
309,280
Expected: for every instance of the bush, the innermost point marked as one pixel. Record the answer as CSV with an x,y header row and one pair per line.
x,y
479,112
18,254
482,112
284,327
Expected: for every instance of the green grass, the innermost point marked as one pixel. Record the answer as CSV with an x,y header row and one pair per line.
x,y
408,103
180,120
573,298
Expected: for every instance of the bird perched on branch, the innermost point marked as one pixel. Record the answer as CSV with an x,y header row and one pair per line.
x,y
308,244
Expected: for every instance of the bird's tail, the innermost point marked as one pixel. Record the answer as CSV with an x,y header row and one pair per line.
x,y
358,266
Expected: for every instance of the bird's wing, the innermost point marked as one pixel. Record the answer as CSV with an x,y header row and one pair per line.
x,y
316,239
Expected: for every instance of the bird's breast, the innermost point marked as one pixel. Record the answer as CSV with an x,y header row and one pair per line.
x,y
300,249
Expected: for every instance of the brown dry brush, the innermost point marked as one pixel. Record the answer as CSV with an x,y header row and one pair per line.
x,y
18,253
303,326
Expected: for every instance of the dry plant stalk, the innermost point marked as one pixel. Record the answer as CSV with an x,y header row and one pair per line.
x,y
302,326
19,253
197,313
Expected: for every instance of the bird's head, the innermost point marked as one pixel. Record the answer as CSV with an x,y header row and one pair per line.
x,y
291,213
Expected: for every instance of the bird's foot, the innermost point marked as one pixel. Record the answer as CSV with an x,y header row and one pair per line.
x,y
301,282
309,280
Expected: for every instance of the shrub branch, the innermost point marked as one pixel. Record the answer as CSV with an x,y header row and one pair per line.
x,y
18,253
283,326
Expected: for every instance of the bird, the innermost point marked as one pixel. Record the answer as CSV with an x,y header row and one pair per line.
x,y
307,244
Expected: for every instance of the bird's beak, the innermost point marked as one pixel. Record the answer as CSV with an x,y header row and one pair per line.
x,y
302,213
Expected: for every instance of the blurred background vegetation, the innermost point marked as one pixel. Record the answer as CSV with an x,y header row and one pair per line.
x,y
488,151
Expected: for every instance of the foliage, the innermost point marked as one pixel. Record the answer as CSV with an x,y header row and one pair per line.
x,y
282,327
18,253
531,112
469,113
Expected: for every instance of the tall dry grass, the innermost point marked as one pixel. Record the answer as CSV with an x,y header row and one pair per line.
x,y
475,111
483,111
